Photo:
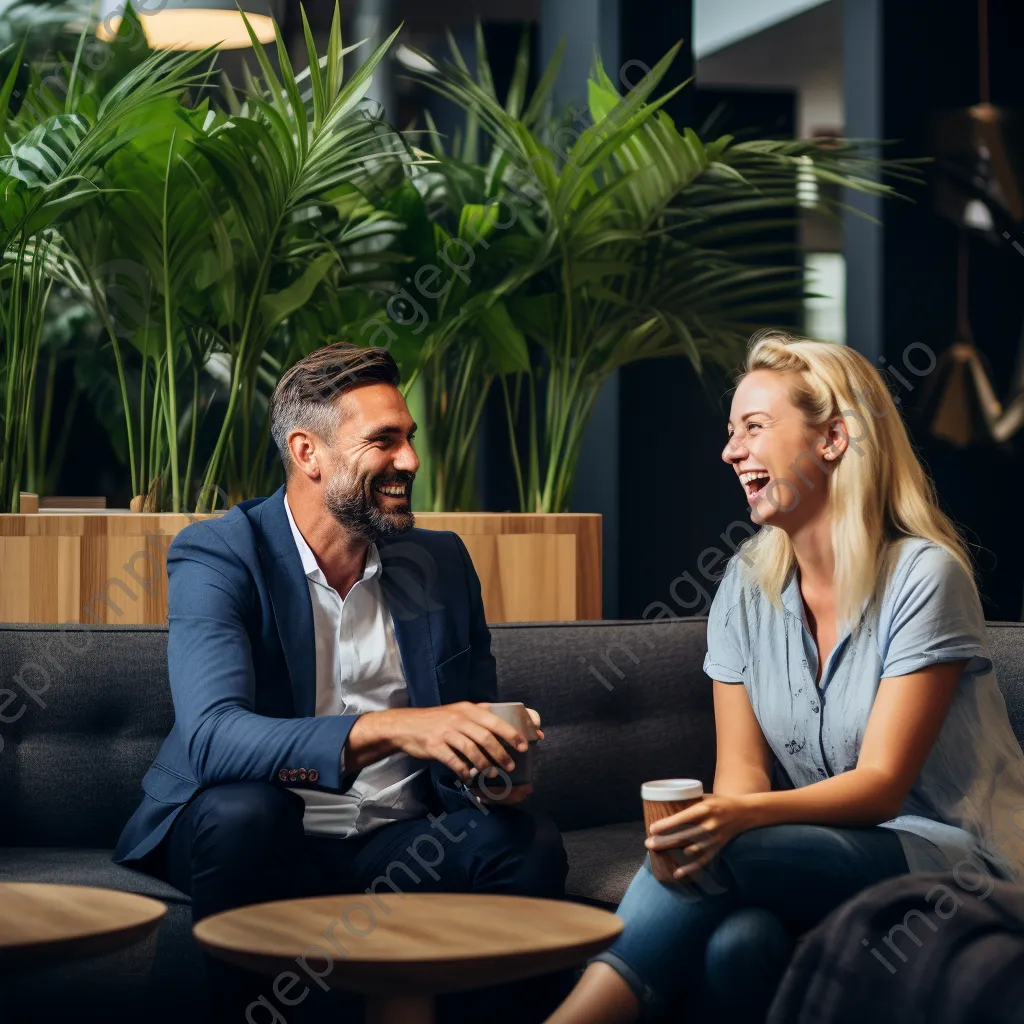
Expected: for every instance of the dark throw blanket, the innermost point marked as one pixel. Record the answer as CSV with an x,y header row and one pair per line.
x,y
933,948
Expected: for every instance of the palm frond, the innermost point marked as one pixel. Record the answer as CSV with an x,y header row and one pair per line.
x,y
649,242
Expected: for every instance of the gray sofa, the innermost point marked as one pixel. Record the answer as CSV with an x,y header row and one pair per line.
x,y
622,702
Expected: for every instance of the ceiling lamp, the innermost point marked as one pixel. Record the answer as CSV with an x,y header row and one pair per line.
x,y
980,184
191,24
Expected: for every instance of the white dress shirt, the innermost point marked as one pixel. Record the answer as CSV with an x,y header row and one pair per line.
x,y
358,669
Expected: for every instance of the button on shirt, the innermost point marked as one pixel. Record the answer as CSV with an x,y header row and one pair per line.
x,y
968,801
358,669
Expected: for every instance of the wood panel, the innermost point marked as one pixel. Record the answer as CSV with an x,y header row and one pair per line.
x,y
107,568
531,562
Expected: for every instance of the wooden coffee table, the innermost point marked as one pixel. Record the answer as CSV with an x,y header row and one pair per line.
x,y
401,950
40,922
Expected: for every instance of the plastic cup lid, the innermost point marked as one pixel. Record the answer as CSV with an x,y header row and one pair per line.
x,y
672,789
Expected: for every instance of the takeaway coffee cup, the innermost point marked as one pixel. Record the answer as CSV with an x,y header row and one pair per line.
x,y
662,798
515,713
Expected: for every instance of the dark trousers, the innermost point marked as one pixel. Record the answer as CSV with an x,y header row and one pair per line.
x,y
243,842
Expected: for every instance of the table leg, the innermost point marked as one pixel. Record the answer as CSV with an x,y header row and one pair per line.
x,y
396,1008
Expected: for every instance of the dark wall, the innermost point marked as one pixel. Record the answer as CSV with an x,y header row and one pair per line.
x,y
677,496
929,65
651,460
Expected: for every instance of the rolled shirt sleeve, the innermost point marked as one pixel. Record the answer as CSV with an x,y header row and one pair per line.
x,y
726,659
935,616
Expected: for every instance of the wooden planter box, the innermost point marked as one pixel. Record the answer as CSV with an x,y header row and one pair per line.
x,y
110,567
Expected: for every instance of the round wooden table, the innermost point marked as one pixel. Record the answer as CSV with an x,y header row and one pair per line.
x,y
401,950
41,923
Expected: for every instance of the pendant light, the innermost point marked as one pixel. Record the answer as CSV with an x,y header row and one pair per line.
x,y
980,188
191,24
980,183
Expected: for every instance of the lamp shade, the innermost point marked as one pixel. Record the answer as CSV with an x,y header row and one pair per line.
x,y
191,24
980,180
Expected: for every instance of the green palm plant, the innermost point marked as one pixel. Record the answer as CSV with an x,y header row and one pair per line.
x,y
51,169
25,292
70,335
214,228
647,249
139,256
300,168
463,338
122,251
467,338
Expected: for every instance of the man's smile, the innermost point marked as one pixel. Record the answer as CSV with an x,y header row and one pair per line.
x,y
395,490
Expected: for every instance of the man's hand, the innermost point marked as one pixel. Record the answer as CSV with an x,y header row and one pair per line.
x,y
535,718
494,791
464,736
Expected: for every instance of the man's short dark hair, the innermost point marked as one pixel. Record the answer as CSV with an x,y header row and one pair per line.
x,y
306,397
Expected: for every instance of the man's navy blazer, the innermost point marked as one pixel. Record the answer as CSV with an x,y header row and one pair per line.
x,y
242,662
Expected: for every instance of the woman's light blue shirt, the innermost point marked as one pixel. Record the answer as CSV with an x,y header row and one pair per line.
x,y
967,804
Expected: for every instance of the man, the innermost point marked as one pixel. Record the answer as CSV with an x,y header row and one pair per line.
x,y
330,668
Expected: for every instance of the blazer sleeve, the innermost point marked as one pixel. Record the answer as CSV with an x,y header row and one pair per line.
x,y
483,671
210,663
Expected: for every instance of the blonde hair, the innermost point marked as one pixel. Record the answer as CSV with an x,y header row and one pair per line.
x,y
878,491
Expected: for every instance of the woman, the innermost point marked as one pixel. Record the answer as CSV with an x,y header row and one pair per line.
x,y
853,625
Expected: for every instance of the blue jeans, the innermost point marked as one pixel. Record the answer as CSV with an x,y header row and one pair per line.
x,y
729,933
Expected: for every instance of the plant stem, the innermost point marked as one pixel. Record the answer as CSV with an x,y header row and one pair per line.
x,y
154,434
171,414
513,447
62,441
580,419
192,432
534,450
562,454
14,357
213,466
258,477
39,470
241,356
142,408
100,305
247,395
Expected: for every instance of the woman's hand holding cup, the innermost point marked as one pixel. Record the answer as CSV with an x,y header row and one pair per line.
x,y
663,800
686,834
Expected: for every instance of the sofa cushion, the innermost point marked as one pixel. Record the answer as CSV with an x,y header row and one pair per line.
x,y
93,705
603,861
73,761
1006,642
62,866
621,702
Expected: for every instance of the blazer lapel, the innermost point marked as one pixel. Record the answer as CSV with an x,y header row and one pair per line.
x,y
409,600
289,595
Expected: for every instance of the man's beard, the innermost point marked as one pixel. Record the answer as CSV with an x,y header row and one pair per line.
x,y
346,499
